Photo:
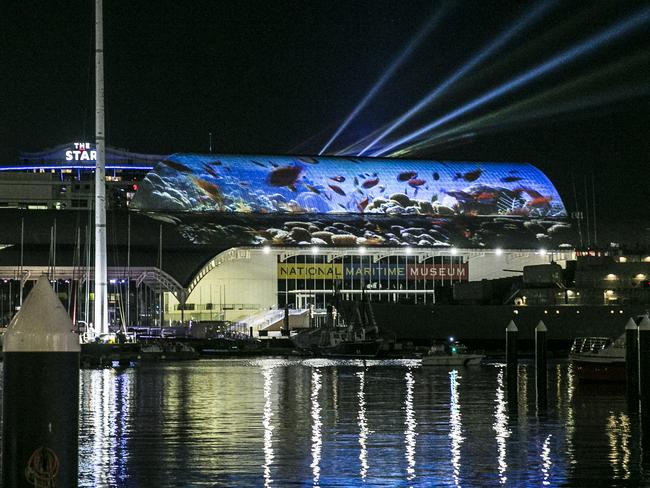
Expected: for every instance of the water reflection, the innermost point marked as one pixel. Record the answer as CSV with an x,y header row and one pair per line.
x,y
546,461
270,423
363,426
500,427
411,425
455,427
618,434
569,414
267,423
316,438
104,453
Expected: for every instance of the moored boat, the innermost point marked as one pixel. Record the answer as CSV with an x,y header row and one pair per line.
x,y
599,358
453,354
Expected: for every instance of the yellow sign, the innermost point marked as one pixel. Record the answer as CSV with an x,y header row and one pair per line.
x,y
329,271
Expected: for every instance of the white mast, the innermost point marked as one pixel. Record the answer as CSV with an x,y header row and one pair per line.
x,y
101,296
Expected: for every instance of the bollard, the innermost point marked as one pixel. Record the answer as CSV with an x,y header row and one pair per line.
x,y
644,377
250,332
285,327
540,366
511,363
41,394
632,366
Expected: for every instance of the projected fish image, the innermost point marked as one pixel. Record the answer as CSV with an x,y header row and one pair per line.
x,y
307,184
490,199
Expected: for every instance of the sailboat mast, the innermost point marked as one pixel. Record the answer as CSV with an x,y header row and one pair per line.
x,y
101,296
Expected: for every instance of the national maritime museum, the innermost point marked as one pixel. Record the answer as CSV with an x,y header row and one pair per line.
x,y
207,237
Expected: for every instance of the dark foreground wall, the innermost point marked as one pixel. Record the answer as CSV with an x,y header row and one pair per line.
x,y
488,322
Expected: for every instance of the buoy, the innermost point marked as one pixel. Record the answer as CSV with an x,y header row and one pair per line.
x,y
41,394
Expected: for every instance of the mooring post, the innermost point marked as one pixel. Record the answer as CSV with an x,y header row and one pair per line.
x,y
540,366
632,366
511,363
41,394
285,327
644,379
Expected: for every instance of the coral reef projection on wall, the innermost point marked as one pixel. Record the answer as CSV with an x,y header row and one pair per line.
x,y
288,200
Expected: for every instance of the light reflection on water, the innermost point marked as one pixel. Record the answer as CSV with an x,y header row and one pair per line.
x,y
267,422
455,425
316,438
411,426
276,423
364,432
500,426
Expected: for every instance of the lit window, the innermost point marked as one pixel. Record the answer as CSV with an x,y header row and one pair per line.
x,y
622,259
611,276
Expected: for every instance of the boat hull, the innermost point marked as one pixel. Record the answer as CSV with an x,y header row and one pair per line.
x,y
353,350
601,371
452,360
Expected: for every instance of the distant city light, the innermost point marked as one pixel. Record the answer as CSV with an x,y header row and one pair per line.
x,y
314,249
362,250
266,249
498,251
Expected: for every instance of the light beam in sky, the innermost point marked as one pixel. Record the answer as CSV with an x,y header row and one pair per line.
x,y
399,60
497,44
585,47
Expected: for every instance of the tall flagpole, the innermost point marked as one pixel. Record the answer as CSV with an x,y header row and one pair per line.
x,y
101,296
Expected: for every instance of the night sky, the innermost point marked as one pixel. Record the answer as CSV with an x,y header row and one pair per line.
x,y
279,77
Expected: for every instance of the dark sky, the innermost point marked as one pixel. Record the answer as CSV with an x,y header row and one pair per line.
x,y
267,77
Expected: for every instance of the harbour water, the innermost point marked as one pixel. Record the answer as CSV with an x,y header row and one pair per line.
x,y
314,422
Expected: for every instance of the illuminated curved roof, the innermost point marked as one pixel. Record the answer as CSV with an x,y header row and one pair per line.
x,y
344,185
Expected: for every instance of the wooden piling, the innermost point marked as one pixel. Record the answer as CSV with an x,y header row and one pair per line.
x,y
541,366
512,363
632,366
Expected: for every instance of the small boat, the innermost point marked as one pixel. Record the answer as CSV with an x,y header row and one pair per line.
x,y
349,349
451,354
163,351
599,358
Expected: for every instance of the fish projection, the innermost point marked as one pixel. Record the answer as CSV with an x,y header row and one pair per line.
x,y
443,203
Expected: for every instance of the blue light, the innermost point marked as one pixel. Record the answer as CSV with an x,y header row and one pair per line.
x,y
476,60
76,166
565,57
386,76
